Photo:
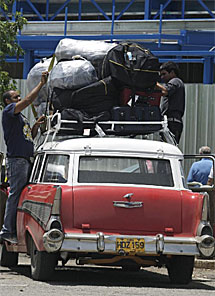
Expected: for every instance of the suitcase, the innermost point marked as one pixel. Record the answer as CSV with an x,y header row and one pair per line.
x,y
146,97
146,113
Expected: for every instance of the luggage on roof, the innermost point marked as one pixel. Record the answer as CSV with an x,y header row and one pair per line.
x,y
94,98
148,114
72,74
132,66
147,97
34,77
92,50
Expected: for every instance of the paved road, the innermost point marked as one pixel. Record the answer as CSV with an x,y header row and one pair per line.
x,y
88,281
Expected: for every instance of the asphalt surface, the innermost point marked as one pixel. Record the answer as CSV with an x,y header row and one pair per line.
x,y
205,263
73,280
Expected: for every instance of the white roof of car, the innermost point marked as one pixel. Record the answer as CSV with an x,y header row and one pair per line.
x,y
125,145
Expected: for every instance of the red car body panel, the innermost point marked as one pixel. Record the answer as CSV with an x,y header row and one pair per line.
x,y
95,207
67,208
191,215
26,222
84,209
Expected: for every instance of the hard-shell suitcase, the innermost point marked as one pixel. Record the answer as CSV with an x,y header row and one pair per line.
x,y
136,114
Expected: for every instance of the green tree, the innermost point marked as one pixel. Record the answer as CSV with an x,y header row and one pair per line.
x,y
9,45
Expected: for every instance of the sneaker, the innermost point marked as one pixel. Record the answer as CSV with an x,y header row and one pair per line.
x,y
8,237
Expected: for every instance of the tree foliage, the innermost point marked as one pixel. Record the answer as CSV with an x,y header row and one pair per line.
x,y
5,3
9,45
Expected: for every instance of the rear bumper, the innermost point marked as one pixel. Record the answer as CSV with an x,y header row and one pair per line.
x,y
154,245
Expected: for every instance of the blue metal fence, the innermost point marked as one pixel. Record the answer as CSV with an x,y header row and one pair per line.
x,y
150,9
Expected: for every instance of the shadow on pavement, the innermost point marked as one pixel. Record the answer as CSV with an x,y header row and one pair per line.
x,y
100,276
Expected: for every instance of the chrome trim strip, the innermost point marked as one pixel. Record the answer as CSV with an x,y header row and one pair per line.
x,y
128,204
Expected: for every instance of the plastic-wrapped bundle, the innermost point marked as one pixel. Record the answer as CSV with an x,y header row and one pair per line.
x,y
93,51
72,74
34,77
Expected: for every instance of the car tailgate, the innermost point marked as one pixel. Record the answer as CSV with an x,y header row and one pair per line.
x,y
149,209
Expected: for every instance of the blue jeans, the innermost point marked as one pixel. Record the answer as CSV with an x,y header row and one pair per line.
x,y
18,171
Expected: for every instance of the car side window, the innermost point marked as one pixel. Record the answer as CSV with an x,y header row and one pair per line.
x,y
37,168
56,169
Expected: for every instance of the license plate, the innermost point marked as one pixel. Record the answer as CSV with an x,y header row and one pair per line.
x,y
130,245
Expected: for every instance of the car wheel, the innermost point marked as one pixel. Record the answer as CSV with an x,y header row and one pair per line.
x,y
7,259
42,263
180,269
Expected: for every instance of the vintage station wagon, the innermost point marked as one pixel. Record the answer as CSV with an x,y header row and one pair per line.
x,y
110,201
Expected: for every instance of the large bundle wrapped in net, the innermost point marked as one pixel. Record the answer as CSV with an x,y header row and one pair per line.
x,y
93,51
72,74
34,77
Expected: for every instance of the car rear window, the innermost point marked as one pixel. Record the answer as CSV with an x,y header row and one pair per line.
x,y
124,170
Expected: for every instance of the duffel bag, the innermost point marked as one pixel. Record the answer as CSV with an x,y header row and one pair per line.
x,y
132,66
95,98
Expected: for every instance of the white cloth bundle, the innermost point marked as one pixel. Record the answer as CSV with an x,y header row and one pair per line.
x,y
72,74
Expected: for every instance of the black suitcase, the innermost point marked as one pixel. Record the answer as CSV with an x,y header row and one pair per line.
x,y
146,113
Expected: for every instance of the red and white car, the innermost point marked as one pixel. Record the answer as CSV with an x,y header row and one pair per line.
x,y
110,201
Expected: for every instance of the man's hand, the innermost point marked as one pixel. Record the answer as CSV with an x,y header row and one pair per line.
x,y
35,127
40,120
162,88
44,77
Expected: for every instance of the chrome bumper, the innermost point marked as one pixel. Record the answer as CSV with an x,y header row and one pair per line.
x,y
154,245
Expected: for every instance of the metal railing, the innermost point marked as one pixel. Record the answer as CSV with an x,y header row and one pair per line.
x,y
149,9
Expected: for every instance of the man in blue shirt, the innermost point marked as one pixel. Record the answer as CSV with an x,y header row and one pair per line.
x,y
20,148
200,170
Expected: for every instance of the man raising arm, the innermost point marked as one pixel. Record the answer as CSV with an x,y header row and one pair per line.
x,y
18,137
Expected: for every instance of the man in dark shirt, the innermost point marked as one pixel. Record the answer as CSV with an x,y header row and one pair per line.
x,y
173,100
19,141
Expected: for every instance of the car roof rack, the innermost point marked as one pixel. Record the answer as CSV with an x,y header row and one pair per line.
x,y
55,125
